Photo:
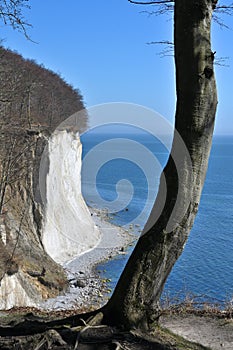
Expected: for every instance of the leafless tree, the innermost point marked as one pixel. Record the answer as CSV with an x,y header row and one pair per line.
x,y
134,302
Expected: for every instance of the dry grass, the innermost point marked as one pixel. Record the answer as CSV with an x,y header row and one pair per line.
x,y
197,304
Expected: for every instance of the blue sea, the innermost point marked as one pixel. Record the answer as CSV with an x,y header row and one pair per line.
x,y
205,268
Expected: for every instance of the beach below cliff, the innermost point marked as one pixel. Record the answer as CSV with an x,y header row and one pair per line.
x,y
87,289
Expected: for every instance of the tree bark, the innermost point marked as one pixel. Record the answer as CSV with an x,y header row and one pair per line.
x,y
135,299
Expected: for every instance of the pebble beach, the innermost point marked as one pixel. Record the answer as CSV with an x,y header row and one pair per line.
x,y
86,288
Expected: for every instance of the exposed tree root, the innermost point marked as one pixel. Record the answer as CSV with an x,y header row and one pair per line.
x,y
81,332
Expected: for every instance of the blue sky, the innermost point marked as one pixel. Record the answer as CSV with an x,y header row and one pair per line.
x,y
101,48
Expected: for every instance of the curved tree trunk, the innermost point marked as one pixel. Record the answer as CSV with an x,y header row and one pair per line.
x,y
134,301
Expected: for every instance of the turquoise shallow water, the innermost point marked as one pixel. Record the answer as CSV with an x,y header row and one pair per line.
x,y
206,265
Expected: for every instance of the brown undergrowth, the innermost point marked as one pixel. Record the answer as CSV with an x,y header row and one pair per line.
x,y
199,305
31,328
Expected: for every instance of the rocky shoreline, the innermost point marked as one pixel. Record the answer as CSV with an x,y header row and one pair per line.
x,y
86,288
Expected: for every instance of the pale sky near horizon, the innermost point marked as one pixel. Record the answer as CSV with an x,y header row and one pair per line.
x,y
101,48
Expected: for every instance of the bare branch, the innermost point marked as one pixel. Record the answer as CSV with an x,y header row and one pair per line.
x,y
162,9
220,61
163,42
18,235
222,10
225,9
167,51
151,2
11,14
219,21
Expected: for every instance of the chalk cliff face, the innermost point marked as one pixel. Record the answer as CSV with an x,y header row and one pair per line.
x,y
69,229
36,235
27,272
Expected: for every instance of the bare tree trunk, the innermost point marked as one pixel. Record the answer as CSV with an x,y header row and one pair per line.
x,y
135,299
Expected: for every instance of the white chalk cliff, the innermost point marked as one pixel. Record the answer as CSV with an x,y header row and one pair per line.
x,y
52,233
68,228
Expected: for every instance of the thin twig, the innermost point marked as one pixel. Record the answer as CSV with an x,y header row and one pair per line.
x,y
18,234
151,2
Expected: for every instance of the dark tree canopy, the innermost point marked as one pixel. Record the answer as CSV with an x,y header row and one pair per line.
x,y
31,94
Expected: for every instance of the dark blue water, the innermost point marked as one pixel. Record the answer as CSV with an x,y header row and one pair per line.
x,y
206,265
